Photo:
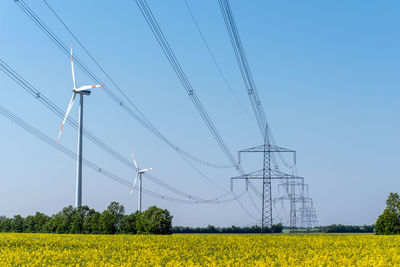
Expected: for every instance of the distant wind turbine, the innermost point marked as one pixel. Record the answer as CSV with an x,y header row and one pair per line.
x,y
139,173
83,90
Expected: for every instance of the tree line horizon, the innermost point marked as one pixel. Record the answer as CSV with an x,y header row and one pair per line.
x,y
84,220
154,220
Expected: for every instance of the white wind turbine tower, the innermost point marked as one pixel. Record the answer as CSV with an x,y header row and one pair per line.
x,y
139,173
83,90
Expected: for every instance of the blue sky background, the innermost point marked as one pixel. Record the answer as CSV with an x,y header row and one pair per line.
x,y
327,73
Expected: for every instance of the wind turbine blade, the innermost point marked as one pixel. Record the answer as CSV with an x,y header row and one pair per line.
x,y
72,67
145,170
85,87
134,183
71,103
134,162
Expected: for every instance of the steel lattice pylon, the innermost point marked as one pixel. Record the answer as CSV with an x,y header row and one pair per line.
x,y
266,220
267,174
292,205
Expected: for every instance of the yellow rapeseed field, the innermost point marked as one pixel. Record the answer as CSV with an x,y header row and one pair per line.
x,y
199,250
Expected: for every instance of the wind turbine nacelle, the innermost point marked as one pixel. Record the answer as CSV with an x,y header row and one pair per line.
x,y
82,92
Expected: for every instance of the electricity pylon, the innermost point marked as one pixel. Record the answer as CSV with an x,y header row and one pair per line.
x,y
266,174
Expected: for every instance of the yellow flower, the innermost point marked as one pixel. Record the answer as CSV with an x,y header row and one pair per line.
x,y
199,250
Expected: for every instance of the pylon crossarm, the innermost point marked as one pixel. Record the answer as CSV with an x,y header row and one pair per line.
x,y
268,148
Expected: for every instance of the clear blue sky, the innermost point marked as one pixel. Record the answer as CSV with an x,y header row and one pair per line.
x,y
327,73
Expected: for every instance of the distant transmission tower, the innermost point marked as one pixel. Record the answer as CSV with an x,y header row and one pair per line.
x,y
260,117
294,196
266,174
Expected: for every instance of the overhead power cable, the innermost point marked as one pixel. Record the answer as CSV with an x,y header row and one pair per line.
x,y
243,66
54,38
90,74
11,73
217,65
38,134
160,37
249,83
247,77
135,112
164,44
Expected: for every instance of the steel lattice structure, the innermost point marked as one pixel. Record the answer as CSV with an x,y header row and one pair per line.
x,y
266,174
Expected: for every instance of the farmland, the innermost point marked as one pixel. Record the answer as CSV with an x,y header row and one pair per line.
x,y
199,250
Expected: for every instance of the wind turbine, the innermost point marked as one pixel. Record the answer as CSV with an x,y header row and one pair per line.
x,y
81,91
139,173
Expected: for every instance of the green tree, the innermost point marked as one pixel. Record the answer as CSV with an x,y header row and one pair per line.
x,y
76,225
154,221
393,203
17,224
96,227
107,223
127,225
29,224
63,220
85,220
277,228
40,220
60,225
388,223
111,217
48,227
117,211
35,223
77,219
5,224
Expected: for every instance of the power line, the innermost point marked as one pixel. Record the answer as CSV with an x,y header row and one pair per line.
x,y
247,77
137,114
261,119
164,44
38,134
90,74
180,152
11,73
185,155
218,67
182,77
243,66
214,59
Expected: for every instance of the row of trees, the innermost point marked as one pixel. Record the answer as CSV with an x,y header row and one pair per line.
x,y
388,223
276,228
84,220
339,228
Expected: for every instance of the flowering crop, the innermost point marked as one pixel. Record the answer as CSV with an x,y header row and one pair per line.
x,y
199,250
